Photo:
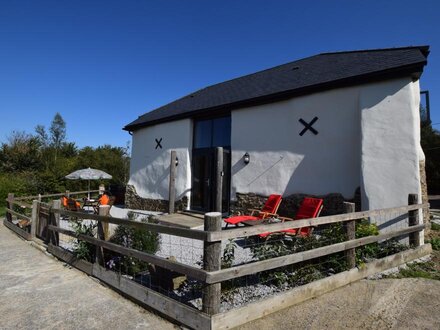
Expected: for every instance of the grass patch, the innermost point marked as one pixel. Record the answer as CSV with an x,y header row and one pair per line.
x,y
2,211
435,242
435,226
419,269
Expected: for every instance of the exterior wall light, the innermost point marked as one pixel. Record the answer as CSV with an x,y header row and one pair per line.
x,y
246,158
176,161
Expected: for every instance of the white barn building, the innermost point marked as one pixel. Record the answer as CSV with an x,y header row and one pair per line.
x,y
330,123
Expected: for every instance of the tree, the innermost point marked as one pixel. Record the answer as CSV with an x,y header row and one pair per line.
x,y
113,160
42,136
57,133
38,163
430,141
20,153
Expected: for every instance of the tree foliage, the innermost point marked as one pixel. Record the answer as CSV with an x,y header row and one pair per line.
x,y
20,153
430,141
37,163
57,131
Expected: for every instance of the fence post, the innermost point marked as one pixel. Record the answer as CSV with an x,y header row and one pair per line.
x,y
34,223
99,258
219,179
350,228
172,188
212,261
54,220
104,210
9,205
67,193
413,219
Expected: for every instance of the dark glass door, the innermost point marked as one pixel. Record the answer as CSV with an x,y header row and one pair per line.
x,y
201,179
204,179
209,134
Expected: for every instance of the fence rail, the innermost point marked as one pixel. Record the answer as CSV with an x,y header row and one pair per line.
x,y
21,198
183,232
312,222
193,272
45,225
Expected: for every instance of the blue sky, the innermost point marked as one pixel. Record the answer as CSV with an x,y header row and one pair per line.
x,y
101,64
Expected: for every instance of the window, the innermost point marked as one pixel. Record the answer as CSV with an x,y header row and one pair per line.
x,y
210,133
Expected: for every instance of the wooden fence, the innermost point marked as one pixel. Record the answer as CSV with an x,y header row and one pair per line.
x,y
45,225
32,213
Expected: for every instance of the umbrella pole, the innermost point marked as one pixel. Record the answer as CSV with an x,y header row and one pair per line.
x,y
88,192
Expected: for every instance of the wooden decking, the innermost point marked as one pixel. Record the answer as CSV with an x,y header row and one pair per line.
x,y
182,219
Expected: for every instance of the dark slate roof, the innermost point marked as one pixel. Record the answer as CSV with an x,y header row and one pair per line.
x,y
308,75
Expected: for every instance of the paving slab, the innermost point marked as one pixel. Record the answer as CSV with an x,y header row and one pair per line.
x,y
182,219
39,292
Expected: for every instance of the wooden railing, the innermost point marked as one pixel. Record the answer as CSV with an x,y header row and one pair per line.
x,y
211,275
27,208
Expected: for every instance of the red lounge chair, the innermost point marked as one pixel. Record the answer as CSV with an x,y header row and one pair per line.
x,y
310,208
270,208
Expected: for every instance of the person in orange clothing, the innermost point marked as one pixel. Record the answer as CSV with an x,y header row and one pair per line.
x,y
104,199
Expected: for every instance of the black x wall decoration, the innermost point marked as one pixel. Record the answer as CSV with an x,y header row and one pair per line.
x,y
308,126
158,145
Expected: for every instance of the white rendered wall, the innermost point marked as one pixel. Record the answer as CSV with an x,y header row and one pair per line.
x,y
369,136
150,167
390,144
285,163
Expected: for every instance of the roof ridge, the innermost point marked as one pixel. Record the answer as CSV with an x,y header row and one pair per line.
x,y
252,74
422,48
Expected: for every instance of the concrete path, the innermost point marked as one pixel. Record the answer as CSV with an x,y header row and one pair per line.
x,y
409,303
39,292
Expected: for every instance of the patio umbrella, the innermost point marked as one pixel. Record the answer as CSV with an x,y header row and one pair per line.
x,y
88,174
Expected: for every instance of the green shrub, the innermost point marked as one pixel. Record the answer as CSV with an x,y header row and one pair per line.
x,y
138,239
435,243
435,226
228,254
81,249
363,229
297,274
389,247
17,183
305,275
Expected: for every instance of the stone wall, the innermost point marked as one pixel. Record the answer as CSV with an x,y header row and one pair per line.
x,y
333,203
134,201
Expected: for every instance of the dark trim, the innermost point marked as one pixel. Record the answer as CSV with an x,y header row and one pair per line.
x,y
413,71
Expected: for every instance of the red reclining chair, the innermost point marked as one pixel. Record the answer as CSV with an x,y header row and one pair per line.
x,y
270,208
309,208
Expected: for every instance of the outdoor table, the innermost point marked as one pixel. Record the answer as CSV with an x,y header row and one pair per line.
x,y
90,203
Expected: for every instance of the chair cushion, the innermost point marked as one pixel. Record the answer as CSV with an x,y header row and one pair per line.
x,y
309,208
272,203
240,218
